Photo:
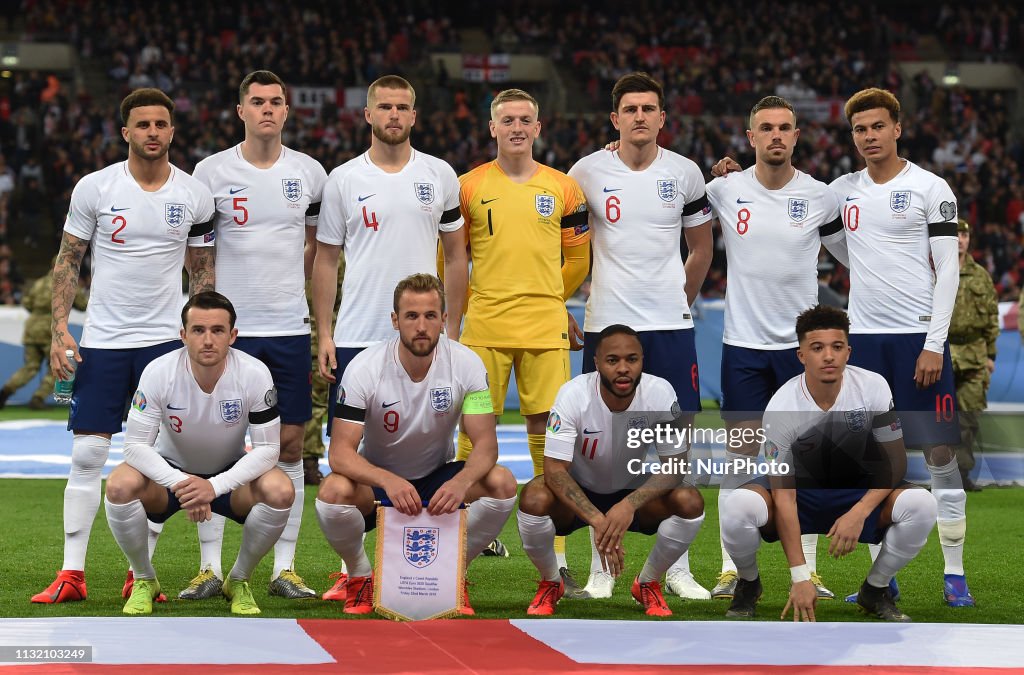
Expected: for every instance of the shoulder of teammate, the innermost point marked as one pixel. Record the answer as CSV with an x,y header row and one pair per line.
x,y
158,375
258,387
314,171
582,170
85,202
874,389
574,217
658,395
940,205
356,389
469,185
202,205
449,189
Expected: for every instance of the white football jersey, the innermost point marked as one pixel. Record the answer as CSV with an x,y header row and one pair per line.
x,y
262,215
772,239
887,233
138,242
203,433
636,221
582,430
794,424
388,224
408,426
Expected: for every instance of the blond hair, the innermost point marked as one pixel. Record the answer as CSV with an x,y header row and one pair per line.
x,y
512,95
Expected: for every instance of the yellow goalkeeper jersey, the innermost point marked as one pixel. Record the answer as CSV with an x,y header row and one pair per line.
x,y
517,232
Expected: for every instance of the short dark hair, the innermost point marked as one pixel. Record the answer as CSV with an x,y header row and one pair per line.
x,y
869,99
143,97
637,82
616,329
209,300
259,77
821,317
419,283
768,103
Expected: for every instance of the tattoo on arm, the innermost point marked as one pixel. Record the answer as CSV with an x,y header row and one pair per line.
x,y
658,485
201,269
65,281
569,491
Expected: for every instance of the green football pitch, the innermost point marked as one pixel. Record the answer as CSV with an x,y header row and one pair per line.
x,y
31,547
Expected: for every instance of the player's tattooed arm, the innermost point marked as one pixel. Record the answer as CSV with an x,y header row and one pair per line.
x,y
201,261
567,490
66,270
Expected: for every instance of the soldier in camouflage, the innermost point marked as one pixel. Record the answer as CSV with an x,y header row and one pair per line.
x,y
313,439
972,341
36,341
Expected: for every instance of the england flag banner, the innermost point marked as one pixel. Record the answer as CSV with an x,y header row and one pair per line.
x,y
420,565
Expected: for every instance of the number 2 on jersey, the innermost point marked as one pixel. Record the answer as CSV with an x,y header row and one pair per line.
x,y
123,224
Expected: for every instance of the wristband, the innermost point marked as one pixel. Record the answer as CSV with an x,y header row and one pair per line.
x,y
800,573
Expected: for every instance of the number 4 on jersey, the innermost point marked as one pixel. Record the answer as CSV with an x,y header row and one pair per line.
x,y
370,220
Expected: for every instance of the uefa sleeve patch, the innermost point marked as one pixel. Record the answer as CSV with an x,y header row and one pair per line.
x,y
554,422
139,401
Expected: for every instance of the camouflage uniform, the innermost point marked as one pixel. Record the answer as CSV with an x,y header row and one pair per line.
x,y
313,438
36,341
972,341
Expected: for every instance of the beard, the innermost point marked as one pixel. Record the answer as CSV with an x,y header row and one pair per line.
x,y
381,134
418,347
139,150
610,386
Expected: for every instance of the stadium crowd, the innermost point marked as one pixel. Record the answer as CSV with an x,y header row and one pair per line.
x,y
711,74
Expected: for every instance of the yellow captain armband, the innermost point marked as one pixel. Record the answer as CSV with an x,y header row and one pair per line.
x,y
477,403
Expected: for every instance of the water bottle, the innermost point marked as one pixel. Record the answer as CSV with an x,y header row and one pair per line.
x,y
62,388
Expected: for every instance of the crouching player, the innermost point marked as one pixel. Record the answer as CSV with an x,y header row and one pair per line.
x,y
834,429
392,436
185,449
589,474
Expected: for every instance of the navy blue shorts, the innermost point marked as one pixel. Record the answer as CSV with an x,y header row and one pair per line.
x,y
425,487
344,356
604,502
750,377
287,357
819,509
221,504
105,382
669,354
928,416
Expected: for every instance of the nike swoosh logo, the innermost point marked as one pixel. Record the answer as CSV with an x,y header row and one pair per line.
x,y
363,199
172,407
850,199
388,405
611,189
589,431
115,209
488,201
235,191
744,201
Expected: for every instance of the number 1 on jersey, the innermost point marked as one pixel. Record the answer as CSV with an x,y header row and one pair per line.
x,y
370,220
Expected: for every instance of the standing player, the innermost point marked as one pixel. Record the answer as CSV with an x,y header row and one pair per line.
x,y
398,406
901,231
834,430
386,209
591,478
774,220
642,198
268,200
139,216
530,244
198,461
